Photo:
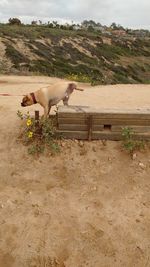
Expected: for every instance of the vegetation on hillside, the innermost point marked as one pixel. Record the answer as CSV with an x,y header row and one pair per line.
x,y
86,54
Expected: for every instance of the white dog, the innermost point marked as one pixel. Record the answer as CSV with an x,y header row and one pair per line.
x,y
50,96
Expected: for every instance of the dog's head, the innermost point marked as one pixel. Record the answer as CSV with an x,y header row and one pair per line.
x,y
27,101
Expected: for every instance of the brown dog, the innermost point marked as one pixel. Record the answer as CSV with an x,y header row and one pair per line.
x,y
50,96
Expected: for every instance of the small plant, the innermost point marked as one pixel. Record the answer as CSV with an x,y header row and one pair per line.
x,y
38,135
129,142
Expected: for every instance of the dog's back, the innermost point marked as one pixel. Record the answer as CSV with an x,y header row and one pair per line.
x,y
55,91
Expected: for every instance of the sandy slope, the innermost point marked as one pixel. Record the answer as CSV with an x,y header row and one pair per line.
x,y
87,206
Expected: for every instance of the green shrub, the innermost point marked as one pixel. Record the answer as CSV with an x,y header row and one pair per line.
x,y
120,78
38,135
15,56
42,67
129,142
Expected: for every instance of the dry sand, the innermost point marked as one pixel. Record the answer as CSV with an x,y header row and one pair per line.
x,y
88,205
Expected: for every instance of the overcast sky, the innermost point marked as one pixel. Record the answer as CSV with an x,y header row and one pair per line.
x,y
128,13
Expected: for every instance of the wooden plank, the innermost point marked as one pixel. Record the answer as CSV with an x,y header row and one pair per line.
x,y
142,136
83,121
116,136
83,135
83,112
107,135
79,127
116,128
74,109
72,121
80,135
125,122
135,128
93,110
106,116
98,135
73,127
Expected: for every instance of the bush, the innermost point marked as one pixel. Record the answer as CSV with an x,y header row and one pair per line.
x,y
129,142
38,135
14,21
120,78
15,56
42,67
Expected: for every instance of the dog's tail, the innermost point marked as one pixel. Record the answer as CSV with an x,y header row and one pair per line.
x,y
79,89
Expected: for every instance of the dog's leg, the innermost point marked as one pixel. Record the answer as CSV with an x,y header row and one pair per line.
x,y
46,111
49,108
65,100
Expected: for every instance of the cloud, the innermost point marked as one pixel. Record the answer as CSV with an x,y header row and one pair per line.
x,y
129,13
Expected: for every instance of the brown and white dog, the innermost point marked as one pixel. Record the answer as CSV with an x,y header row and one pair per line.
x,y
50,96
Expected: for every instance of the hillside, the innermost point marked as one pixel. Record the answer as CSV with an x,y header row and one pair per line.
x,y
78,55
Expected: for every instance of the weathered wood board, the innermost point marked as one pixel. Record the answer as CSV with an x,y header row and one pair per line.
x,y
84,112
84,122
135,128
99,135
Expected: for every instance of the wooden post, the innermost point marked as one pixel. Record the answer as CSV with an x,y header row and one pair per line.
x,y
90,125
37,120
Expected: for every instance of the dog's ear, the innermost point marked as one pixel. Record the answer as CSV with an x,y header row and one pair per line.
x,y
25,99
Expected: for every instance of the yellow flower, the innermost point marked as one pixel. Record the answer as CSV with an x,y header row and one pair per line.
x,y
29,122
30,134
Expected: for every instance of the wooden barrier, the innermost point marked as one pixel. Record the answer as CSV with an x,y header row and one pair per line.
x,y
83,122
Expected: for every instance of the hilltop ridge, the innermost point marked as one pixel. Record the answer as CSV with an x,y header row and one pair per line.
x,y
87,56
